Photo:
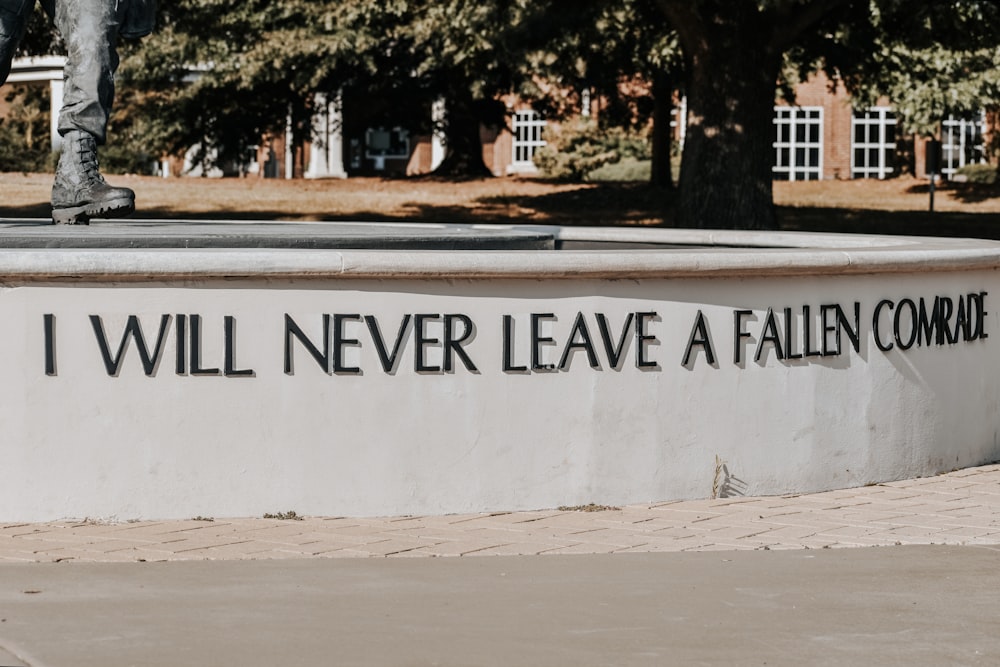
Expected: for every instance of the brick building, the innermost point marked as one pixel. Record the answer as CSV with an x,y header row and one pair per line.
x,y
820,137
43,71
343,144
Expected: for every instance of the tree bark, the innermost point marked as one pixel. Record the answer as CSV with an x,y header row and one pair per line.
x,y
662,140
725,180
463,145
733,52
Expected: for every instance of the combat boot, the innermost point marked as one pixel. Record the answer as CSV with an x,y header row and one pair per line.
x,y
80,192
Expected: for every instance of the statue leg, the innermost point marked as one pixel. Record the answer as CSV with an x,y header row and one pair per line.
x,y
13,21
90,30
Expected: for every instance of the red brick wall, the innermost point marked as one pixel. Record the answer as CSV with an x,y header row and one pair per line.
x,y
837,114
420,156
502,148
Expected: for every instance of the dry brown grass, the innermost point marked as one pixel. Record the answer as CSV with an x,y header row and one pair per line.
x,y
897,194
493,200
893,206
896,206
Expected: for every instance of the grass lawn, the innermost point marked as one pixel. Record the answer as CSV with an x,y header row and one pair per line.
x,y
897,206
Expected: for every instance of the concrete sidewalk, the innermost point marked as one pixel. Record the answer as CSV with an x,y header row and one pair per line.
x,y
959,508
762,589
907,606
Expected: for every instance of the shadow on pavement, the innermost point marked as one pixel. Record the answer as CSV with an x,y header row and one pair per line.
x,y
905,223
616,204
967,193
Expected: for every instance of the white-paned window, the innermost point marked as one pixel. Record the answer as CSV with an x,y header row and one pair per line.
x,y
383,143
528,128
798,143
962,143
678,121
873,143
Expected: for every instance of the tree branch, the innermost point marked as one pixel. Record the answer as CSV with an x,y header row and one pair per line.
x,y
687,21
792,19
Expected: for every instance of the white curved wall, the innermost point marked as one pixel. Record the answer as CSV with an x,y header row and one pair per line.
x,y
185,441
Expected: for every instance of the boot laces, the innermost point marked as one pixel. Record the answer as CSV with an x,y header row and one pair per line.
x,y
88,161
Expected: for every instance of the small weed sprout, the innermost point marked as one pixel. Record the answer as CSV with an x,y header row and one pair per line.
x,y
589,507
715,478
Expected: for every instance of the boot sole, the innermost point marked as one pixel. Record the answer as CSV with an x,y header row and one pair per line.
x,y
81,215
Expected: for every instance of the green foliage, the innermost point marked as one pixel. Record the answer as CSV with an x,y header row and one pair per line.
x,y
217,74
929,84
131,157
624,56
25,144
127,150
930,59
628,170
579,147
979,173
468,53
40,37
14,157
221,74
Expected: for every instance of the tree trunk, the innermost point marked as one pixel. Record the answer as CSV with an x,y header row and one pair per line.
x,y
726,176
734,52
463,145
662,140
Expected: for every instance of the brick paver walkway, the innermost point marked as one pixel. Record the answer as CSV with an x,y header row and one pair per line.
x,y
962,507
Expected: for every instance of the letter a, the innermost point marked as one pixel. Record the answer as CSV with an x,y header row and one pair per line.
x,y
701,337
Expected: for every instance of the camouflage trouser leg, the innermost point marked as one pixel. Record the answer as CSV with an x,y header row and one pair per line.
x,y
13,20
90,30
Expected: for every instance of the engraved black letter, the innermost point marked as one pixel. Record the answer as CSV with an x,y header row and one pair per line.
x,y
453,344
388,360
699,336
230,367
292,330
49,322
132,330
614,352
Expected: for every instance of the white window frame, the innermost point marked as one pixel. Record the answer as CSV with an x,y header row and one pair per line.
x,y
528,128
793,117
679,121
954,155
403,144
882,118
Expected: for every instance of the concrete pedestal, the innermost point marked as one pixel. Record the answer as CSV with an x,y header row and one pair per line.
x,y
172,382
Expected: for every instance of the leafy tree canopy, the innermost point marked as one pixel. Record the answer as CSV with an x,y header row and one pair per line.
x,y
930,59
221,73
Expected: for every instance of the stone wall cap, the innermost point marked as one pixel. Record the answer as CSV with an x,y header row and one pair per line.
x,y
586,252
